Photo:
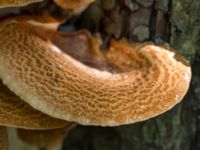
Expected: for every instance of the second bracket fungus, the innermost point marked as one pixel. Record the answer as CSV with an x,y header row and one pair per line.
x,y
15,113
60,86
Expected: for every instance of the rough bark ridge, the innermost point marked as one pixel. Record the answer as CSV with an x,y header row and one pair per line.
x,y
174,21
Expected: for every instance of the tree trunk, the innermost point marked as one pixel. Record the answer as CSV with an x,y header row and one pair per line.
x,y
176,22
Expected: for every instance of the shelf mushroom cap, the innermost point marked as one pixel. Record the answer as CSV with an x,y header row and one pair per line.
x,y
56,84
73,4
16,3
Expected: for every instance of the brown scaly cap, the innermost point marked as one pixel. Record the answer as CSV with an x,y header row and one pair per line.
x,y
3,138
16,3
56,84
73,4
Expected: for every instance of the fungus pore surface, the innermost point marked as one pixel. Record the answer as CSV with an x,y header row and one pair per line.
x,y
15,113
56,84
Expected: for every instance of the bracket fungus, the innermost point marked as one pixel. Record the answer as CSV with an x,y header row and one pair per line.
x,y
16,3
64,88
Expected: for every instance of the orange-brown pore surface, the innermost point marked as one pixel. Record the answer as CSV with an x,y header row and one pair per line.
x,y
55,83
16,3
3,138
73,4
